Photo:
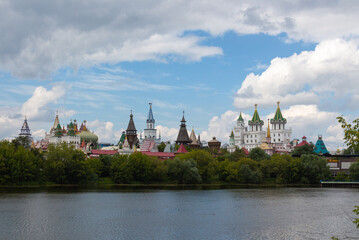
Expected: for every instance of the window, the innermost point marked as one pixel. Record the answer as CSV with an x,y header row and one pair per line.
x,y
278,134
278,140
274,140
274,135
251,141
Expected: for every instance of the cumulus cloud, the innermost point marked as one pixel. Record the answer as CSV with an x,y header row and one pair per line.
x,y
105,131
34,106
43,36
167,134
329,72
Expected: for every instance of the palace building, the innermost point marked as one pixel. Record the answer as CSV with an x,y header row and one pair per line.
x,y
254,135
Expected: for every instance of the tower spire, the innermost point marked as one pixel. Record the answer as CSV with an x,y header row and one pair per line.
x,y
268,130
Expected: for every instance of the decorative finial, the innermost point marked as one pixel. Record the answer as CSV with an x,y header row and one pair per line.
x,y
57,112
278,103
183,112
255,105
150,105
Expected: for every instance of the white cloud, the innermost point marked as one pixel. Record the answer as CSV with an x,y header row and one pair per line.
x,y
329,73
43,36
167,134
34,106
105,131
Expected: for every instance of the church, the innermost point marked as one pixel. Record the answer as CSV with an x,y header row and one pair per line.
x,y
254,135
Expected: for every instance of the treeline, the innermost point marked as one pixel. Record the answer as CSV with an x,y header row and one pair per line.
x,y
62,164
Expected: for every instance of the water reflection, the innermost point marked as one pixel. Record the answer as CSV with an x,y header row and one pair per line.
x,y
123,213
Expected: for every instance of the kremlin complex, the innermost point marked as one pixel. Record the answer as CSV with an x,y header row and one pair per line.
x,y
275,138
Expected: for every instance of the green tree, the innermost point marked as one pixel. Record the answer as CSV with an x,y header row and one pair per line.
x,y
17,164
206,164
22,141
119,172
354,171
341,176
315,168
65,164
351,133
183,171
237,154
246,175
356,220
305,149
258,154
161,147
275,167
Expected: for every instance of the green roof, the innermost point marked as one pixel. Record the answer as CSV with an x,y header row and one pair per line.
x,y
278,115
58,132
240,117
255,118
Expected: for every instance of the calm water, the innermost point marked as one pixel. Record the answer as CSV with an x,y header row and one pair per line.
x,y
285,213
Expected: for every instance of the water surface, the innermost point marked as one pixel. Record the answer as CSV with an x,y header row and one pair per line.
x,y
283,213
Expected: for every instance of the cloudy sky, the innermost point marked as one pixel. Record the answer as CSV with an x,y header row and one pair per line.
x,y
97,60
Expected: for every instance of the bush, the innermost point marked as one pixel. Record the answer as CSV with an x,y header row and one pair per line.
x,y
183,171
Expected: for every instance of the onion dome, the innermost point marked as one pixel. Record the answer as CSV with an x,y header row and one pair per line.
x,y
88,136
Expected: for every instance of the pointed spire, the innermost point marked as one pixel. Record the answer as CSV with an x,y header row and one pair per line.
x,y
240,118
255,118
232,135
25,130
56,122
150,118
131,124
278,114
268,130
193,137
183,134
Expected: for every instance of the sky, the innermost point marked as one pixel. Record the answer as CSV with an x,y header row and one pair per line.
x,y
98,60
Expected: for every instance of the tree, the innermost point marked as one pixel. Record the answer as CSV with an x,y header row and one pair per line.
x,y
161,147
305,149
315,168
341,176
276,166
237,154
206,164
22,141
183,171
65,164
354,171
356,220
351,133
119,172
258,154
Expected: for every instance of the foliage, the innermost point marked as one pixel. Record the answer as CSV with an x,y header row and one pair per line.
x,y
22,141
66,165
183,171
161,147
354,171
341,176
106,165
17,164
246,175
356,220
351,133
237,154
258,154
275,167
206,164
315,168
305,149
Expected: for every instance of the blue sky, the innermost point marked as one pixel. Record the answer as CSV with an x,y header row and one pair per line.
x,y
96,62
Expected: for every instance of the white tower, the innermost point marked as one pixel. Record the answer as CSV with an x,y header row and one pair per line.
x,y
239,132
150,131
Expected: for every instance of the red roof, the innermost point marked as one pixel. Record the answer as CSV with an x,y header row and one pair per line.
x,y
159,154
103,152
181,149
245,150
302,144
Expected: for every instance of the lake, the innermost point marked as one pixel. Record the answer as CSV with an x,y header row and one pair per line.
x,y
135,213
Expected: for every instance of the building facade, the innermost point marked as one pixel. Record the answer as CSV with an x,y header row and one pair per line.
x,y
254,135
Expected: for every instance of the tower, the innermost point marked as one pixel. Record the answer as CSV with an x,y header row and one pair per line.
x,y
279,134
25,130
182,137
239,130
131,132
150,131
